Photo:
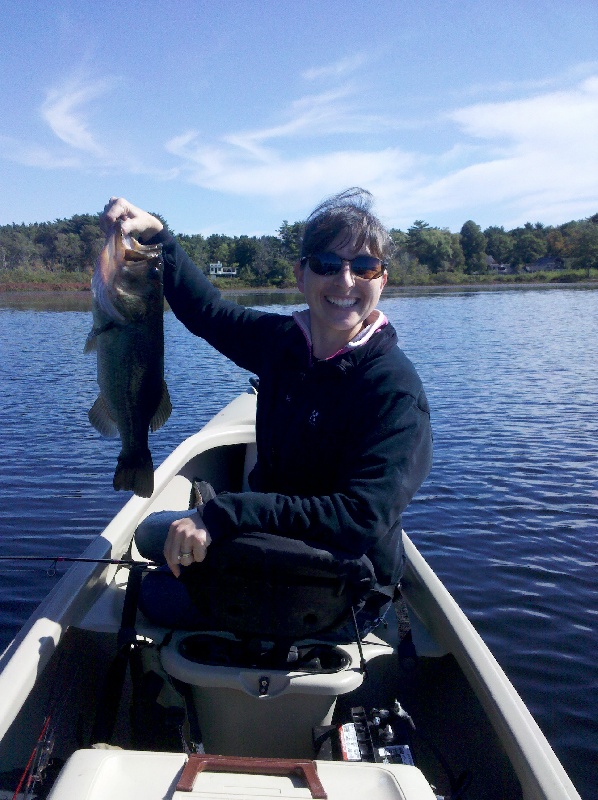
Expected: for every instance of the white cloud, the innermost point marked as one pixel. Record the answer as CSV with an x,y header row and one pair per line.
x,y
257,162
532,160
572,74
554,118
541,156
338,69
299,178
529,159
312,117
63,110
66,110
532,157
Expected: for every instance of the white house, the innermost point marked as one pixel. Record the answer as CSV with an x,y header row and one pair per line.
x,y
224,272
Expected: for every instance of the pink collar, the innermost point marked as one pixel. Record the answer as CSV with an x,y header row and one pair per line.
x,y
374,323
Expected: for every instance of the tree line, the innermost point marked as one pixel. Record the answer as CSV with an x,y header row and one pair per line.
x,y
422,254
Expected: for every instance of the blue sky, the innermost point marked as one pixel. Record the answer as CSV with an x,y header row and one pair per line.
x,y
230,117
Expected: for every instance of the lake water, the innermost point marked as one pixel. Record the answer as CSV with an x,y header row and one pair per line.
x,y
507,518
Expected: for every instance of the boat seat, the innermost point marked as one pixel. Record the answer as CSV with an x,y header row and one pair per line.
x,y
105,616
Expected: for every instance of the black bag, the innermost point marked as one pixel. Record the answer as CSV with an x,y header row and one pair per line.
x,y
270,587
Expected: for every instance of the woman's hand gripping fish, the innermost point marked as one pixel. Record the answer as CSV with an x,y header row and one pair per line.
x,y
128,334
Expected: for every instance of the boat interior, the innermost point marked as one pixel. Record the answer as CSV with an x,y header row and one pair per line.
x,y
400,697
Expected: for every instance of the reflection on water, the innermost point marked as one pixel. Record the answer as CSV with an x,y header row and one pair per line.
x,y
507,517
281,298
81,301
46,301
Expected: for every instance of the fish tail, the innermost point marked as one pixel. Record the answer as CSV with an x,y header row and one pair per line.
x,y
135,472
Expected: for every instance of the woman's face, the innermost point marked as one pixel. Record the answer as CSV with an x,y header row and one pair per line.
x,y
339,304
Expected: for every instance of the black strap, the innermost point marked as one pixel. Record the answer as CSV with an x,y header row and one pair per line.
x,y
110,696
362,665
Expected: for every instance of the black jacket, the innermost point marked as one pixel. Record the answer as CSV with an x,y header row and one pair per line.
x,y
343,444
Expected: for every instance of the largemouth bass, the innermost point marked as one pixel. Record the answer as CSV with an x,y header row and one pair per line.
x,y
128,334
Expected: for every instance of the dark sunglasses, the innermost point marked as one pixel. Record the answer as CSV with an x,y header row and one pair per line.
x,y
366,267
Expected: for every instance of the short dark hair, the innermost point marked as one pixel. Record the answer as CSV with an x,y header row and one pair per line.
x,y
346,213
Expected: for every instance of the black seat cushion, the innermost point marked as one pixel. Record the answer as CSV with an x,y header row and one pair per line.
x,y
268,586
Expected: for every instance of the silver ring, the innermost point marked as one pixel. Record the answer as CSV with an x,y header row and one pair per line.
x,y
181,556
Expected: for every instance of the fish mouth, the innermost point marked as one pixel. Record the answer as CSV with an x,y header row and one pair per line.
x,y
342,302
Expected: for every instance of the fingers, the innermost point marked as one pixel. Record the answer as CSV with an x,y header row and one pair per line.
x,y
116,208
133,219
186,543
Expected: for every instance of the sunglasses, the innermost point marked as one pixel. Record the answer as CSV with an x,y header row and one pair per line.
x,y
366,267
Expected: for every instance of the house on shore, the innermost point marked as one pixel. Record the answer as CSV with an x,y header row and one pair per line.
x,y
500,269
545,264
222,271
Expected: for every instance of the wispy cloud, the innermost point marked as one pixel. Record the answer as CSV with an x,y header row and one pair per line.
x,y
570,77
312,117
540,155
299,156
64,110
67,111
338,69
536,157
298,178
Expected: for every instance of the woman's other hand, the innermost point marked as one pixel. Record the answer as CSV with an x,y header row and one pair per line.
x,y
186,543
133,220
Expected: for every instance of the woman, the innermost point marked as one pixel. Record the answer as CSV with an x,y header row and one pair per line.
x,y
342,427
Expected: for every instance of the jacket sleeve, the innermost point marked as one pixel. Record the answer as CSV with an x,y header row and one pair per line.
x,y
237,332
383,469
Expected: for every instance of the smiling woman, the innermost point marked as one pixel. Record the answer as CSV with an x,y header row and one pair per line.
x,y
342,286
312,481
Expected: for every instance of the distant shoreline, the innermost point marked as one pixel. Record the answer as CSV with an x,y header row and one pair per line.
x,y
56,290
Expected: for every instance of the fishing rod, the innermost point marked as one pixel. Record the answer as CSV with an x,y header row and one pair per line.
x,y
40,767
55,560
125,562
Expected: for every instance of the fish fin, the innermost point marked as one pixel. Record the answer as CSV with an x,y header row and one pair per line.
x,y
91,341
163,411
135,473
100,418
92,337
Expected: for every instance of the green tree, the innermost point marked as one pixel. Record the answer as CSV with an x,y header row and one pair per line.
x,y
245,250
222,253
67,251
291,236
264,266
473,244
415,233
404,269
196,248
92,240
529,245
458,257
555,242
213,242
499,244
431,246
19,251
587,248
